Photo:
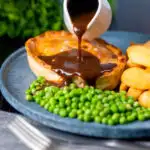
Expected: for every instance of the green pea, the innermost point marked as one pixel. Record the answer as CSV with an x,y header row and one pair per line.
x,y
88,112
134,114
53,101
34,90
130,97
113,93
141,117
106,105
137,109
68,102
99,105
61,104
115,117
131,101
105,100
66,88
62,99
98,91
86,88
100,97
74,105
81,117
97,119
106,111
41,93
67,96
84,108
72,114
123,92
63,113
89,96
87,118
42,103
79,112
122,120
28,92
107,92
78,92
92,106
69,109
114,108
29,97
40,78
48,95
136,104
32,86
111,97
91,91
122,108
128,113
47,89
128,107
102,114
123,98
51,109
111,122
87,104
37,100
72,86
95,112
94,99
104,120
83,98
80,105
60,93
118,101
75,99
131,118
65,92
46,106
147,115
122,114
56,111
55,89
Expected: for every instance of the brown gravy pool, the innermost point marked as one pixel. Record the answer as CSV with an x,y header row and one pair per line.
x,y
78,62
67,65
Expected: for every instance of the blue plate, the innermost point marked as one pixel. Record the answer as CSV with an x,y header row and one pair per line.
x,y
16,76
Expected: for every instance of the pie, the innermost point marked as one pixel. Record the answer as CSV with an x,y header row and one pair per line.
x,y
54,42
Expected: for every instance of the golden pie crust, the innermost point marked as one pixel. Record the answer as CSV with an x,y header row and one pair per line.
x,y
54,42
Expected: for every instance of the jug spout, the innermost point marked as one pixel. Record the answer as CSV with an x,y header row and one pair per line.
x,y
99,22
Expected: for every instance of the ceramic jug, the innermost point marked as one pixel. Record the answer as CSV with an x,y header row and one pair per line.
x,y
99,23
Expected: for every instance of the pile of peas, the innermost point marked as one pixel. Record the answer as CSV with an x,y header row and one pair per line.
x,y
87,104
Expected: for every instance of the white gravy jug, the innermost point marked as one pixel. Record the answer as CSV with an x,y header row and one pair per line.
x,y
98,24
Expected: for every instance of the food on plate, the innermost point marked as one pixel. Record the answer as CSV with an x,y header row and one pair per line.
x,y
131,64
134,92
139,54
54,56
144,99
147,44
123,87
79,93
87,104
136,78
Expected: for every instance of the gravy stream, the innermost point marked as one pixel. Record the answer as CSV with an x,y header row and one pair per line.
x,y
80,26
78,62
